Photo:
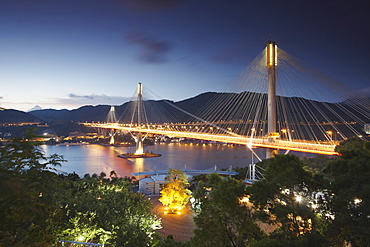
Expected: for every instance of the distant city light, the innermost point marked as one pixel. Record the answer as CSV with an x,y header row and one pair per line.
x,y
357,201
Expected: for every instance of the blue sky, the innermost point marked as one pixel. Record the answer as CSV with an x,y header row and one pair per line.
x,y
65,54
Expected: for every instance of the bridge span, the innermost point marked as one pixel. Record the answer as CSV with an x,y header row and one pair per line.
x,y
324,147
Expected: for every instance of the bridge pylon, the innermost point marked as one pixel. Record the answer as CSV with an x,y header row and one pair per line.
x,y
271,63
111,118
139,136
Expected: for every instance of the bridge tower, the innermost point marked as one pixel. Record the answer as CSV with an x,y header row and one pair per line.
x,y
139,137
111,118
271,63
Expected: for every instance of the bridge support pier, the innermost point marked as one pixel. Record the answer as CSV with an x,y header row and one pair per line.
x,y
271,63
111,141
111,118
139,144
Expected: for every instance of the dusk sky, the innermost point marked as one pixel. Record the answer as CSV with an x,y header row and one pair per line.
x,y
63,54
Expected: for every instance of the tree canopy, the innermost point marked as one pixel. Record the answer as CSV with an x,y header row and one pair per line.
x,y
328,208
348,199
39,207
222,219
27,205
174,194
285,197
107,213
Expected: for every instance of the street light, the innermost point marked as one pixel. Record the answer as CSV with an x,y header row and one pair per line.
x,y
298,198
330,133
284,131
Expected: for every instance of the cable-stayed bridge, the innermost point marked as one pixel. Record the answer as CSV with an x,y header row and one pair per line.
x,y
323,147
277,103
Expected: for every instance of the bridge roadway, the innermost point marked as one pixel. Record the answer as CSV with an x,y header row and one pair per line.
x,y
228,173
327,148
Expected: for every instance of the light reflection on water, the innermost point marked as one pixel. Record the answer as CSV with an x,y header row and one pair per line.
x,y
92,159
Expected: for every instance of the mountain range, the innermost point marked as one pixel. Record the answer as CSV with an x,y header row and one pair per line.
x,y
181,111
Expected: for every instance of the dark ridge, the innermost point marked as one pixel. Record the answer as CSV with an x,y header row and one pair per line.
x,y
15,116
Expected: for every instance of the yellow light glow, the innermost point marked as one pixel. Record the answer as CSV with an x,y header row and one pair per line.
x,y
314,206
276,58
357,201
139,88
300,146
271,55
244,199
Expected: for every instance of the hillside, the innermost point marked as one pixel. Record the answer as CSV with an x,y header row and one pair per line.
x,y
200,105
15,116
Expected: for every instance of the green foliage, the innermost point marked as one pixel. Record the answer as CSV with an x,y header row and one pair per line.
x,y
38,207
223,220
349,194
343,213
276,197
170,242
27,207
316,164
175,195
108,213
307,240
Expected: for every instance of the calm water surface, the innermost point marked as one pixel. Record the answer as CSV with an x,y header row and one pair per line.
x,y
91,159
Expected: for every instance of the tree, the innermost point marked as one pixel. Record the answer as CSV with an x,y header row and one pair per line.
x,y
223,220
28,209
171,242
285,198
174,194
38,207
107,212
348,197
316,164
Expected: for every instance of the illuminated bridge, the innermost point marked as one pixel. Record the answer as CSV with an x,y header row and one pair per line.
x,y
277,103
323,147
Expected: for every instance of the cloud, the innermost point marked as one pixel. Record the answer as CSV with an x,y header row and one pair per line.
x,y
93,96
76,100
95,99
151,49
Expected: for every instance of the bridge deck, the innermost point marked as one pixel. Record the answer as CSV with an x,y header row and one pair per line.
x,y
326,148
231,173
